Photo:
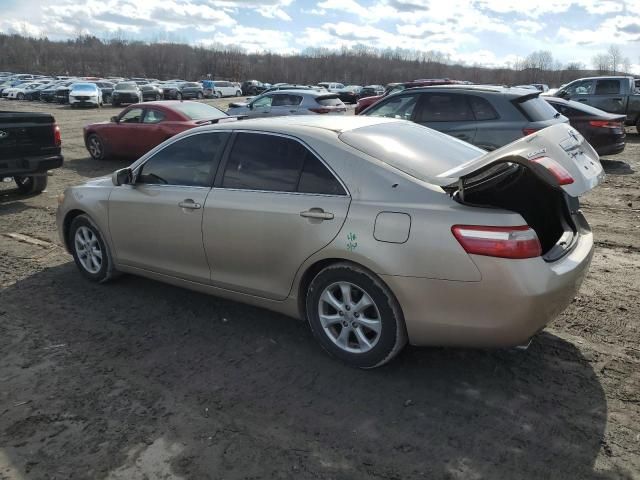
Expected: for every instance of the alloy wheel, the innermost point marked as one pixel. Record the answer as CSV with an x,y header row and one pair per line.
x,y
88,249
349,317
95,147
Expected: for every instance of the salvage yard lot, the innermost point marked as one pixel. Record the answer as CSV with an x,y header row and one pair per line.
x,y
139,378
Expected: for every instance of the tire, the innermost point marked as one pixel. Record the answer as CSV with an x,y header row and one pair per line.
x,y
106,99
362,346
96,147
238,93
158,97
20,96
638,126
200,96
178,96
218,94
32,184
90,252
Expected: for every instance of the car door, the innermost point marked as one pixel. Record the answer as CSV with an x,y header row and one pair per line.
x,y
275,203
579,91
447,112
284,104
608,96
126,136
261,106
156,223
153,132
229,90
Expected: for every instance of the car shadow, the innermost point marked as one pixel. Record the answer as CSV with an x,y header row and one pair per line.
x,y
248,393
90,168
616,167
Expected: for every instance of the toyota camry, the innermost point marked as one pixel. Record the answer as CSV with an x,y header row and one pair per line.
x,y
375,231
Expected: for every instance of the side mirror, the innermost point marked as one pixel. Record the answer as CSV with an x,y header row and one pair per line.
x,y
114,119
562,94
124,176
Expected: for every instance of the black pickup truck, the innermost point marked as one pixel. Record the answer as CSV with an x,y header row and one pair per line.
x,y
30,145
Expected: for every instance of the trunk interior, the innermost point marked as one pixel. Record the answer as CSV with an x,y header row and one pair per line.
x,y
516,188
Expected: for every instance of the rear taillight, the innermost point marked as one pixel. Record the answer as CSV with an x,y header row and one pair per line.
x,y
529,131
605,124
503,242
57,139
558,171
320,110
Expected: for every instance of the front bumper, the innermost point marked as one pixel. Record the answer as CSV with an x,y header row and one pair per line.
x,y
84,101
513,301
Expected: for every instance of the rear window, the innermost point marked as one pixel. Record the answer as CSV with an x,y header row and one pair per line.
x,y
536,109
329,101
198,111
402,146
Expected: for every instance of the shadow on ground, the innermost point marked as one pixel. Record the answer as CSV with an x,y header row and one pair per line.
x,y
239,392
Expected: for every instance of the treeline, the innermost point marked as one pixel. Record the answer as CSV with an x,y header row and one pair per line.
x,y
361,65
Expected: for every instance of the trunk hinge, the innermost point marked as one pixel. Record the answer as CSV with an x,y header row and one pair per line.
x,y
461,189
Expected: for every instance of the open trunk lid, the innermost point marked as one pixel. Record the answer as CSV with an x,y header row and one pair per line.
x,y
560,143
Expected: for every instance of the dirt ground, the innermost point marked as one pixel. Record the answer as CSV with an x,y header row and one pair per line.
x,y
140,380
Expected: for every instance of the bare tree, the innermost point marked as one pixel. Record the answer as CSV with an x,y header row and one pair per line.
x,y
614,54
601,62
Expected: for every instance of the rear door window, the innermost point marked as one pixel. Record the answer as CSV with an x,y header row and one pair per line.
x,y
282,100
190,161
444,107
607,87
272,163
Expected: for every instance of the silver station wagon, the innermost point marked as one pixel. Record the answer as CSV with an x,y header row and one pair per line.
x,y
375,231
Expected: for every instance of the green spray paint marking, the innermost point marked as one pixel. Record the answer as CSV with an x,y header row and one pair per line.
x,y
352,244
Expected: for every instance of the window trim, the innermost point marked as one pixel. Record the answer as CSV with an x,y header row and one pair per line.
x,y
212,174
217,184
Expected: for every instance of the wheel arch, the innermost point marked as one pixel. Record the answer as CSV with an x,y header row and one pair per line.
x,y
66,225
312,270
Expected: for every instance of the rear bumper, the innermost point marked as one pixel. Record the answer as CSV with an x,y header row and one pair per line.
x,y
29,165
514,300
610,149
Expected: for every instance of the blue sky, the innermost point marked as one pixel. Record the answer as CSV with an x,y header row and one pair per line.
x,y
486,32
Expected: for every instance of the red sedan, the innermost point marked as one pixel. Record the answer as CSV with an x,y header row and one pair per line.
x,y
142,126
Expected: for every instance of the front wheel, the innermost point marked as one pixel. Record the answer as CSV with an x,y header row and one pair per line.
x,y
31,185
178,96
90,252
20,96
218,94
354,316
200,96
238,93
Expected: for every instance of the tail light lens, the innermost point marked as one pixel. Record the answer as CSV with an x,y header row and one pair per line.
x,y
57,138
605,124
502,242
529,131
558,171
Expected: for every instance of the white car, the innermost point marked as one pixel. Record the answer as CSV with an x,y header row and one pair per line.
x,y
332,87
85,94
19,92
224,89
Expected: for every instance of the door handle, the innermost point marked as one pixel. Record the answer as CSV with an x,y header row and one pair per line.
x,y
190,204
583,100
317,213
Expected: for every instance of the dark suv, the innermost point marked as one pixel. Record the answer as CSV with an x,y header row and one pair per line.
x,y
486,116
253,87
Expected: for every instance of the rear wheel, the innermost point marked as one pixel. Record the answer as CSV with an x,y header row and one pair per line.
x,y
158,97
96,147
20,96
354,316
218,94
238,93
200,96
32,184
90,253
178,96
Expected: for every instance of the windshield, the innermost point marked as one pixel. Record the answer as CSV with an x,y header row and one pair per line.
x,y
198,111
84,86
402,145
126,86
